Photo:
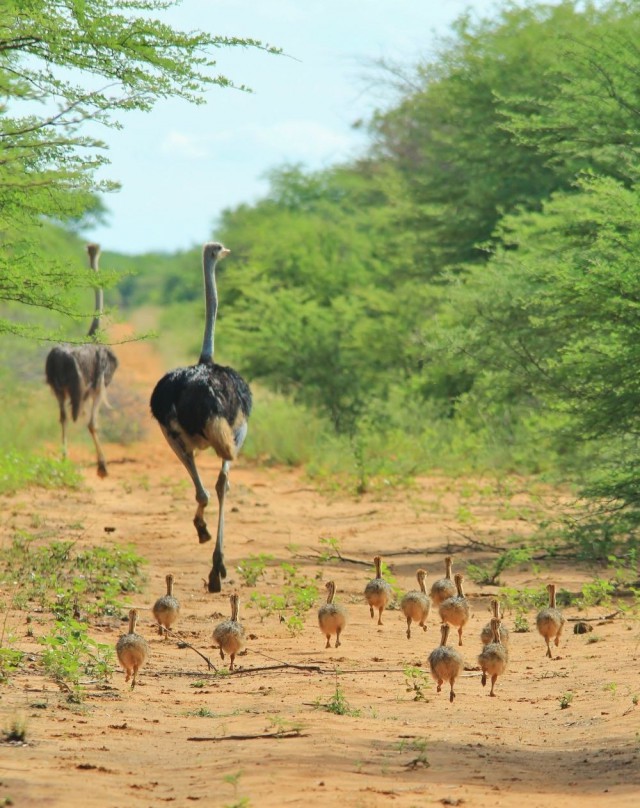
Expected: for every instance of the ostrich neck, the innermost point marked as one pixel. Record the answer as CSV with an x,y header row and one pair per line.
x,y
99,299
211,310
99,305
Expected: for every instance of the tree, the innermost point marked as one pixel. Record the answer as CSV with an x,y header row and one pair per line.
x,y
65,64
323,298
463,168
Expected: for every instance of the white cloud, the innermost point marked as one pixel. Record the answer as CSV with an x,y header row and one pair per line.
x,y
180,145
303,139
289,140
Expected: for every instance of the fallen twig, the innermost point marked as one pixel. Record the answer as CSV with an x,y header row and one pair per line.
x,y
261,669
476,542
290,733
337,555
596,619
184,644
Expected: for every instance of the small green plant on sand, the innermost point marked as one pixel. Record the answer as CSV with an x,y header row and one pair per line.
x,y
417,682
10,657
565,700
70,654
489,574
299,595
596,593
419,746
520,623
337,704
331,549
234,780
280,726
253,568
524,599
201,712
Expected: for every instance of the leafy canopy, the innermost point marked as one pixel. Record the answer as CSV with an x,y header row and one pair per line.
x,y
65,66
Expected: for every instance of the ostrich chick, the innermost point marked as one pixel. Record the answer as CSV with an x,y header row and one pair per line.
x,y
443,588
455,611
229,635
486,635
166,609
332,617
494,657
378,592
446,663
550,622
132,650
415,604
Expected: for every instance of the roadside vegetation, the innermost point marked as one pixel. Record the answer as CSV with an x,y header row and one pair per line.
x,y
461,297
51,591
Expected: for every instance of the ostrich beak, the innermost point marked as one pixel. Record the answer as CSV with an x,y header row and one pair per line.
x,y
224,252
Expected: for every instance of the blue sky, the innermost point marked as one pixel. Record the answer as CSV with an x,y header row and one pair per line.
x,y
181,165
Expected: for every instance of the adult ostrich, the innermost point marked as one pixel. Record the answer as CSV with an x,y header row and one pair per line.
x,y
81,372
205,405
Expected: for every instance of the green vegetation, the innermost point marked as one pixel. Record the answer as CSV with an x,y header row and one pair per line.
x,y
489,575
417,682
565,700
253,567
419,746
463,295
67,582
298,595
64,67
18,470
70,654
234,780
337,703
59,578
201,712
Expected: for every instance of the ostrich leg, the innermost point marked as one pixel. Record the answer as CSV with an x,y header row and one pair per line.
x,y
187,459
63,423
218,569
93,429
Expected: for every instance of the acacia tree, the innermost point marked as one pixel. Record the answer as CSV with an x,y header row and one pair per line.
x,y
552,320
65,64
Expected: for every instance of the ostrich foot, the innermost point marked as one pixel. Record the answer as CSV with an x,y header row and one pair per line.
x,y
203,532
102,469
217,572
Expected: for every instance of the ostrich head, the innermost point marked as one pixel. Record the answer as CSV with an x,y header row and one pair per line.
x,y
93,250
215,251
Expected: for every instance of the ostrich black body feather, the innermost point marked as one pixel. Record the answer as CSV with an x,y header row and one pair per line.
x,y
194,395
77,371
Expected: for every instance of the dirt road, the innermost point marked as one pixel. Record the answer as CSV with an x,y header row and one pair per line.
x,y
260,737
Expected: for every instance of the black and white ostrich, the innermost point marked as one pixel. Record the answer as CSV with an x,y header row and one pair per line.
x,y
205,405
82,372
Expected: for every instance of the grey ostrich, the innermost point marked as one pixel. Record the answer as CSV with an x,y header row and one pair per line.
x,y
82,372
205,405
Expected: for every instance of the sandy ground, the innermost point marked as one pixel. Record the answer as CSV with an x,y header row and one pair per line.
x,y
188,734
